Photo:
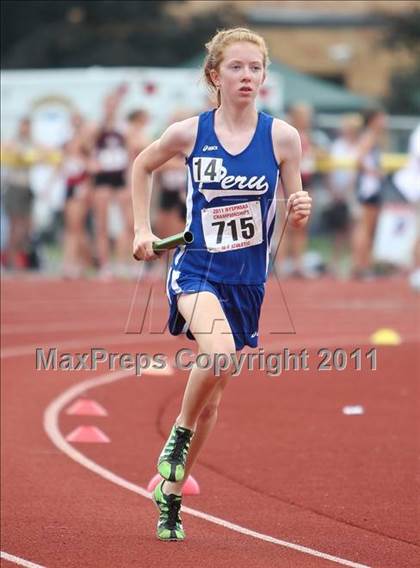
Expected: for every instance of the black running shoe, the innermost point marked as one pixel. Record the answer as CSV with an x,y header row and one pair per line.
x,y
169,525
171,462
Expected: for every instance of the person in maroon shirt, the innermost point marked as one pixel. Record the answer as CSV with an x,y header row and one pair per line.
x,y
110,163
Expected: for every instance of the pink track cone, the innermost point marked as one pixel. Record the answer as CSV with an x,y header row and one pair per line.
x,y
88,435
191,486
86,407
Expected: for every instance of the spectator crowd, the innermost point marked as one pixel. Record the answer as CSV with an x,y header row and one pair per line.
x,y
94,225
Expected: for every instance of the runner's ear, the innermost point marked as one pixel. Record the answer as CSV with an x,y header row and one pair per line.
x,y
214,76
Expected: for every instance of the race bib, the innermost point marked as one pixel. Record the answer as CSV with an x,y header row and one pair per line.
x,y
369,186
113,159
232,226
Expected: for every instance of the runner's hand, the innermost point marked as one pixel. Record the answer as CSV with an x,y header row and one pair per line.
x,y
299,205
142,246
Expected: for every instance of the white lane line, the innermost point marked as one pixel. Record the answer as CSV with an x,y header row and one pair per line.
x,y
95,342
17,329
19,561
283,340
272,340
51,416
92,325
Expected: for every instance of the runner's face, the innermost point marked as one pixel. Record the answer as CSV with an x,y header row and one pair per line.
x,y
241,72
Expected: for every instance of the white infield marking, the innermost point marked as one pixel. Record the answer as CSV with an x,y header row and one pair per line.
x,y
51,427
117,339
19,561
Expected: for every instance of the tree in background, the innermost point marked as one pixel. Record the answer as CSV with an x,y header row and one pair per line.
x,y
81,33
404,32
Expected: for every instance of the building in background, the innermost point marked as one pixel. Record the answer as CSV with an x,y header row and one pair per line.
x,y
323,96
342,42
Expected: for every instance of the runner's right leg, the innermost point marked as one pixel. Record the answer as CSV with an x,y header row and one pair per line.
x,y
207,321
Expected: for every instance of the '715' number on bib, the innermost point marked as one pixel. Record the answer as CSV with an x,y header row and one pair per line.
x,y
246,227
232,227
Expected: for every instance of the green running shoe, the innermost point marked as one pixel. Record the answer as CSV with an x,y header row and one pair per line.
x,y
169,525
171,462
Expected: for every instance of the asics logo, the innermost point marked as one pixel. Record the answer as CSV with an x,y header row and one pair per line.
x,y
209,148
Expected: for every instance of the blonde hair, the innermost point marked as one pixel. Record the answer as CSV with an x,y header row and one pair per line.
x,y
216,46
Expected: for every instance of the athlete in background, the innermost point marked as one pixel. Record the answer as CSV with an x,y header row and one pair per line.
x,y
110,163
341,183
18,198
294,242
75,168
369,186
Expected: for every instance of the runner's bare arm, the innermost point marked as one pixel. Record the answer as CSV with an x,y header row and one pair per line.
x,y
288,152
365,146
177,139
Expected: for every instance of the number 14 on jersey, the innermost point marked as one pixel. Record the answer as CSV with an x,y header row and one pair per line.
x,y
207,170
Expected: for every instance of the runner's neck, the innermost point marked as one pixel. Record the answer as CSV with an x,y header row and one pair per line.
x,y
234,119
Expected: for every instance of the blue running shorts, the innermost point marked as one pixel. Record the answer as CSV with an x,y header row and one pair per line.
x,y
241,304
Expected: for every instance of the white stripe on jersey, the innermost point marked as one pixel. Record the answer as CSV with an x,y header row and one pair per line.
x,y
174,284
270,216
167,283
190,190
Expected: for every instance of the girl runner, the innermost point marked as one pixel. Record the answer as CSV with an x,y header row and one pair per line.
x,y
75,168
216,285
111,160
369,184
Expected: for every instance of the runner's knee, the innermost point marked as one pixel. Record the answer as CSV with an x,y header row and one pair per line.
x,y
209,411
221,353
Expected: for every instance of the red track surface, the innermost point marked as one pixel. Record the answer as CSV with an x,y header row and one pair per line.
x,y
284,461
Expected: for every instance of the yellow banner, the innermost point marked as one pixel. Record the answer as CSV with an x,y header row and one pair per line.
x,y
390,162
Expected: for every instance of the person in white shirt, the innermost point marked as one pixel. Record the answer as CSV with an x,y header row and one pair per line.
x,y
407,181
341,185
369,183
